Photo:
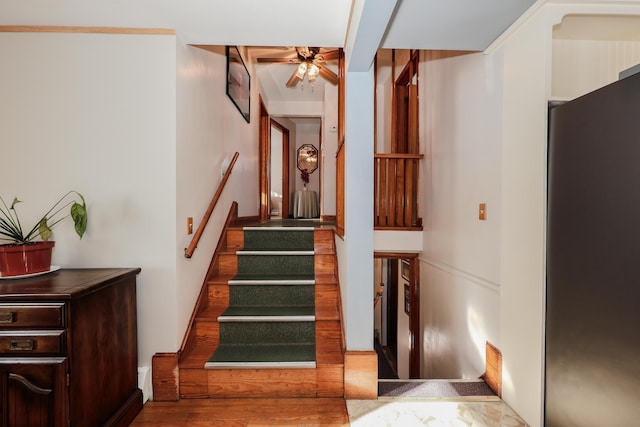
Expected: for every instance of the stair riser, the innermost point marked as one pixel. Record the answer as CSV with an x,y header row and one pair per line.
x,y
278,240
207,333
324,264
271,295
265,383
326,302
218,295
235,239
227,264
267,332
323,241
275,264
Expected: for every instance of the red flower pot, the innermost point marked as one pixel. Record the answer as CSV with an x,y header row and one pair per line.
x,y
16,260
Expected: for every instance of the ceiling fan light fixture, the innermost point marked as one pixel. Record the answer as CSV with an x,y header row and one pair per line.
x,y
302,69
313,71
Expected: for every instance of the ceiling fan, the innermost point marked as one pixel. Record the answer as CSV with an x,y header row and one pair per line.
x,y
310,63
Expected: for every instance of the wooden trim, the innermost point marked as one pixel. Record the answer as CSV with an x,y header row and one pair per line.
x,y
340,153
361,375
414,301
320,170
188,252
398,156
493,371
165,377
414,318
328,218
395,255
203,299
85,30
407,228
263,153
341,98
375,104
285,167
394,112
340,191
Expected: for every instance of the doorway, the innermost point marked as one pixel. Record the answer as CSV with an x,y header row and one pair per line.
x,y
279,167
397,313
280,179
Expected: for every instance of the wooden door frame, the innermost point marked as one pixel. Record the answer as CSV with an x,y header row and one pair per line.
x,y
285,167
403,89
414,304
264,150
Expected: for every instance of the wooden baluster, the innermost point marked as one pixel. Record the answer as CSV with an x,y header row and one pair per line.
x,y
400,196
409,192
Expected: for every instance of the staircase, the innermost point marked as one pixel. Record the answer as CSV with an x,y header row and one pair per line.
x,y
270,326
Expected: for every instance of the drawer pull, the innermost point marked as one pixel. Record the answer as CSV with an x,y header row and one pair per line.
x,y
6,316
21,345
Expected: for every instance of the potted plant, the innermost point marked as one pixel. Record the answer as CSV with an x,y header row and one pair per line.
x,y
23,254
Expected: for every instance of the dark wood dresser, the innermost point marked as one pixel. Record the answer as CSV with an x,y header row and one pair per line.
x,y
68,349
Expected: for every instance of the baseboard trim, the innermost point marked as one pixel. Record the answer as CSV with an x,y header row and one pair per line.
x,y
165,377
361,375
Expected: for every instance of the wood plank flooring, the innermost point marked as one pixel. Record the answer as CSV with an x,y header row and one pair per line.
x,y
324,412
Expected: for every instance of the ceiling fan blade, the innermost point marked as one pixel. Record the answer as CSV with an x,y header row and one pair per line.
x,y
278,60
294,79
329,75
329,56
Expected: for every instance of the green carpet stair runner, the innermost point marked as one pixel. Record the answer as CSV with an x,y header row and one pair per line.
x,y
270,321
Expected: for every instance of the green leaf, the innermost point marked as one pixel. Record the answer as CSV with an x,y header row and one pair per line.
x,y
15,202
79,215
44,230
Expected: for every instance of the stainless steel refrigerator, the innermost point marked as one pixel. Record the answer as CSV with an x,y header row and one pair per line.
x,y
592,349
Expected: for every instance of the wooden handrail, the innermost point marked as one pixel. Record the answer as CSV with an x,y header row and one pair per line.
x,y
188,252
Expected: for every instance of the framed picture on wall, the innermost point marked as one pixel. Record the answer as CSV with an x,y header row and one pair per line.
x,y
407,309
238,82
404,268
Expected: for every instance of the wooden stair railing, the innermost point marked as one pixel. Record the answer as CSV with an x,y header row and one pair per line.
x,y
188,252
396,191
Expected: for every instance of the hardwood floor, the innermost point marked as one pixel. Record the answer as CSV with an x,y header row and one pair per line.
x,y
325,412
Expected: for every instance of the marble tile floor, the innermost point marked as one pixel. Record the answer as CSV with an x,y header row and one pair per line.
x,y
432,413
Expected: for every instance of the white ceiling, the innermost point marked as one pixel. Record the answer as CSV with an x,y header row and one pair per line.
x,y
415,24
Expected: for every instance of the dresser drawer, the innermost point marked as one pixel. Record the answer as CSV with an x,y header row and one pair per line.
x,y
31,342
45,315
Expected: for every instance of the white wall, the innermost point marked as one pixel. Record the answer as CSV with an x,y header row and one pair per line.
x,y
329,150
209,131
580,66
384,100
276,140
96,113
460,266
141,125
527,66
